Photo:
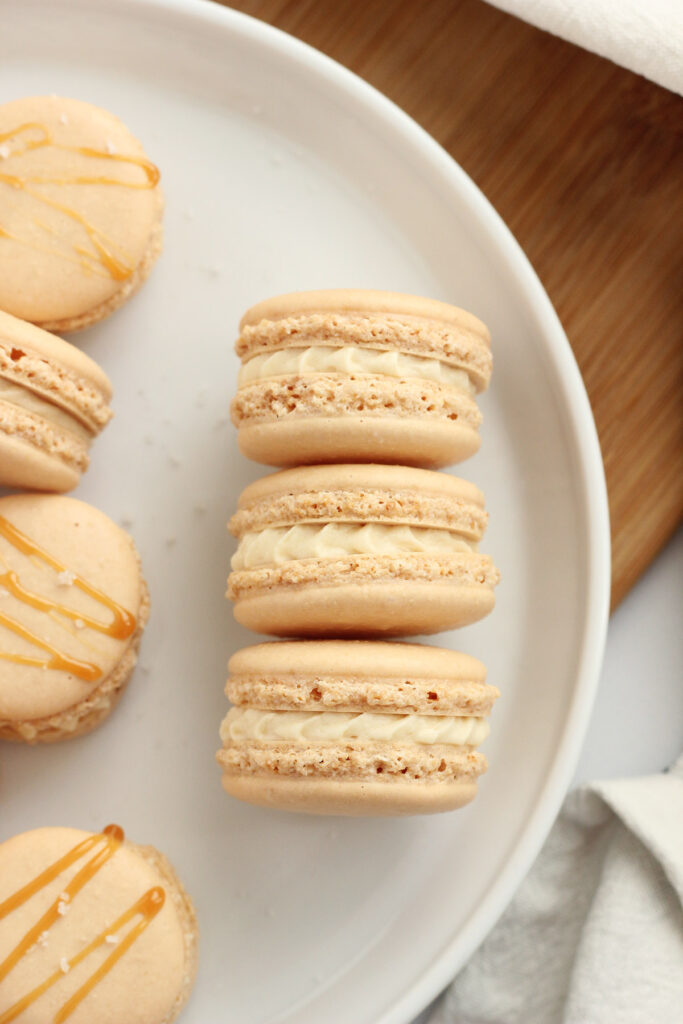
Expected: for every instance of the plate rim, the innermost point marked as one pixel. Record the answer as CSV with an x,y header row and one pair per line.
x,y
406,1004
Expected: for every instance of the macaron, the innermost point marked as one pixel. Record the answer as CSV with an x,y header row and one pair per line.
x,y
359,376
355,727
80,212
93,930
73,606
360,550
53,401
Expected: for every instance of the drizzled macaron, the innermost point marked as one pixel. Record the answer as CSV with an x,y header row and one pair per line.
x,y
353,727
364,550
73,606
359,376
80,212
54,400
93,930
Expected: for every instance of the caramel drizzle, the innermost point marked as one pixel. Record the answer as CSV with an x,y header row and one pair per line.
x,y
145,910
104,255
122,625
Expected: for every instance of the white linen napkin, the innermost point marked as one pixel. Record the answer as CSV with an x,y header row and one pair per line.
x,y
595,933
643,35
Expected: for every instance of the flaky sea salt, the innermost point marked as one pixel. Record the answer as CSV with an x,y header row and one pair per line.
x,y
4,151
111,939
79,623
64,965
110,147
42,939
62,908
63,119
66,578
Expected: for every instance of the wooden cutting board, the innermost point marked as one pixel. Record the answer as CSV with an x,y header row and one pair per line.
x,y
584,161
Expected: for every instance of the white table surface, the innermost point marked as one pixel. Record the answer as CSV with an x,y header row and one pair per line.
x,y
637,723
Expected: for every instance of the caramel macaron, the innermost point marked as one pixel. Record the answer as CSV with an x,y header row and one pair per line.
x,y
93,930
364,550
355,727
54,401
80,212
359,376
73,606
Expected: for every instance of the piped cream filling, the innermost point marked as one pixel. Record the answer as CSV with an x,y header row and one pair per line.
x,y
21,397
351,360
243,724
279,544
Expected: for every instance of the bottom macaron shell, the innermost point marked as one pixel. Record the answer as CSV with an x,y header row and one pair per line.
x,y
364,610
309,440
24,465
351,799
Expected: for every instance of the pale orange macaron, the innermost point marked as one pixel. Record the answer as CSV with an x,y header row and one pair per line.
x,y
73,607
94,929
360,376
80,212
360,550
54,400
355,727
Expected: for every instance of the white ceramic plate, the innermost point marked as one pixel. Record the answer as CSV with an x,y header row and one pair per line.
x,y
283,171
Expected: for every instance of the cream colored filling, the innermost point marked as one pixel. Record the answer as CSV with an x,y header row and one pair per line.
x,y
21,397
242,724
351,360
279,544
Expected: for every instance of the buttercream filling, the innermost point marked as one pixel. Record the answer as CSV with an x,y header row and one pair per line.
x,y
242,724
352,360
279,544
21,397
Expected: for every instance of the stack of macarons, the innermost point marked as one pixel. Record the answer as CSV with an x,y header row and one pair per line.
x,y
361,395
80,228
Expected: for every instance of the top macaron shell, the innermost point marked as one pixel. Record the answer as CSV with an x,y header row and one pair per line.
x,y
142,987
360,376
89,545
80,212
54,400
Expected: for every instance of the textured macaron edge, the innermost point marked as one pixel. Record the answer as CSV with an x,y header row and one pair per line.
x,y
462,567
373,397
84,399
353,759
38,432
362,506
84,716
398,695
188,920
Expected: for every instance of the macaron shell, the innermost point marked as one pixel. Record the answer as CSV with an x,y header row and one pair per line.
x,y
91,546
363,610
428,443
43,276
147,985
24,465
350,477
348,658
361,300
350,799
356,675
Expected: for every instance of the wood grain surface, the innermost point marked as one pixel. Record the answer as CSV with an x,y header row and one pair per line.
x,y
584,161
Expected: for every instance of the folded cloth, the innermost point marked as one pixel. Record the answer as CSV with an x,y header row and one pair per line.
x,y
595,933
643,35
